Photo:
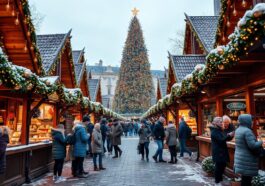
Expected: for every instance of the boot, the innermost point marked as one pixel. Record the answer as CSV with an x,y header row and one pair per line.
x,y
101,168
96,168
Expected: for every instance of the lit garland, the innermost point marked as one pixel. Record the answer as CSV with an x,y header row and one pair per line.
x,y
23,80
250,29
32,34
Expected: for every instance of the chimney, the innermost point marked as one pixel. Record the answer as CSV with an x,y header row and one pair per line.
x,y
100,63
217,7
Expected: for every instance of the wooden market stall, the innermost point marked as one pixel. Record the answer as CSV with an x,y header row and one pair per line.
x,y
18,42
240,88
95,96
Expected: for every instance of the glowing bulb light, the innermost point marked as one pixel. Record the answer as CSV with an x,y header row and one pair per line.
x,y
8,6
244,3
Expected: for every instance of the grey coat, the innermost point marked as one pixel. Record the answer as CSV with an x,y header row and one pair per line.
x,y
96,143
116,132
246,162
171,135
144,134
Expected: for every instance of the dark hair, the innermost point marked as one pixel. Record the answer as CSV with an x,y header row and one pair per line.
x,y
115,120
86,118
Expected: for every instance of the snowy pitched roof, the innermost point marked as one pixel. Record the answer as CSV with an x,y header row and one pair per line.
x,y
79,72
205,27
93,85
185,64
50,46
163,86
77,55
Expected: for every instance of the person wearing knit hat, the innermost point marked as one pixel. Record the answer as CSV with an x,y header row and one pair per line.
x,y
219,148
58,152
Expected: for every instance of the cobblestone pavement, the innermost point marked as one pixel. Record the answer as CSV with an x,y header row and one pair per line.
x,y
129,170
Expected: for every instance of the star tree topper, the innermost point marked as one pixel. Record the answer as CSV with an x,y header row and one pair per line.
x,y
135,11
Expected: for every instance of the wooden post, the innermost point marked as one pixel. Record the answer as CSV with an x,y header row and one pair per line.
x,y
199,121
250,106
219,106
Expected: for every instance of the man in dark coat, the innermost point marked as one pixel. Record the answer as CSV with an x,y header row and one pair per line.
x,y
4,140
89,129
184,132
219,148
103,129
159,135
116,133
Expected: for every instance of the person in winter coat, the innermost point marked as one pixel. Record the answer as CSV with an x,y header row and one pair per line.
x,y
144,139
184,132
58,152
247,150
79,151
89,129
103,129
97,147
159,135
125,128
4,140
136,127
171,141
228,126
116,133
219,148
109,144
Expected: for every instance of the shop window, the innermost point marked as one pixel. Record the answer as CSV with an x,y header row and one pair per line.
x,y
259,97
41,123
11,112
234,106
190,119
208,114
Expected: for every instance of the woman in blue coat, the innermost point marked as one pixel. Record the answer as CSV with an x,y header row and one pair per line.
x,y
247,150
58,152
79,151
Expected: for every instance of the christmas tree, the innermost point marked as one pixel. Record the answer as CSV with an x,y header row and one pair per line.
x,y
134,87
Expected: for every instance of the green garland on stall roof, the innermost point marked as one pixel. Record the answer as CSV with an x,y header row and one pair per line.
x,y
33,37
248,31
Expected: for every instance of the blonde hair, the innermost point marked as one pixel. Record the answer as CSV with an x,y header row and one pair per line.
x,y
97,126
227,118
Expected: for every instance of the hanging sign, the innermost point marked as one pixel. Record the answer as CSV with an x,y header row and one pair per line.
x,y
236,106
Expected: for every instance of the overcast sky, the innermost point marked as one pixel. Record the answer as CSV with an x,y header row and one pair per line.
x,y
101,26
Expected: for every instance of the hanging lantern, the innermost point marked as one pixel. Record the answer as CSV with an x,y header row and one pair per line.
x,y
8,6
234,11
244,3
16,20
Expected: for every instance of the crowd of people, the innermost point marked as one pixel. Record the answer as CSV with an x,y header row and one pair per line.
x,y
87,139
247,148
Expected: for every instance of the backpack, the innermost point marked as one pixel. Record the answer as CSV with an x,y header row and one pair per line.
x,y
72,139
189,132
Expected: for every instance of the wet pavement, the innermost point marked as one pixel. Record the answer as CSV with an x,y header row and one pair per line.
x,y
130,170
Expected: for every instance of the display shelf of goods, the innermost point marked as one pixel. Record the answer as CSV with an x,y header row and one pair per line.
x,y
40,130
